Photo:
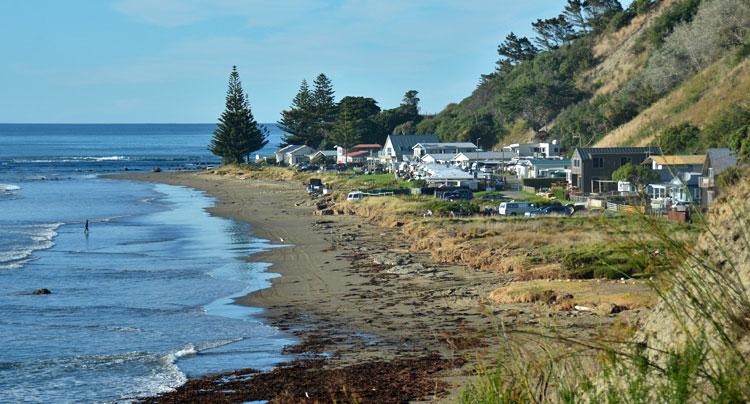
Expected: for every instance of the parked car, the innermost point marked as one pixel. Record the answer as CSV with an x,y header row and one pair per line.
x,y
565,210
515,208
456,195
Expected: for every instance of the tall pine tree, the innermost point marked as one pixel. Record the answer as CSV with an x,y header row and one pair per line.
x,y
299,120
237,133
324,105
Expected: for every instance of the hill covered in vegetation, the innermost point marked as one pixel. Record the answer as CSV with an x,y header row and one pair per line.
x,y
673,73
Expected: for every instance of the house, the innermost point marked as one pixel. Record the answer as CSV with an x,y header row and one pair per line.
x,y
465,159
544,168
717,161
357,153
671,165
437,175
280,154
438,158
592,167
297,155
323,157
422,149
538,150
683,187
398,146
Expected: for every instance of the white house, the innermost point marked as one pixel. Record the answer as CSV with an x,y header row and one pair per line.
x,y
298,155
422,149
538,150
438,158
327,156
281,153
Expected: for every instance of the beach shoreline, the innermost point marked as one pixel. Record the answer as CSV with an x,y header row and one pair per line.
x,y
357,296
327,295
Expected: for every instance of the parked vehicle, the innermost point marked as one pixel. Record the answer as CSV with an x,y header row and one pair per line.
x,y
315,186
355,196
563,210
455,195
515,208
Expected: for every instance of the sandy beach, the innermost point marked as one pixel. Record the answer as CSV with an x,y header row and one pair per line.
x,y
361,294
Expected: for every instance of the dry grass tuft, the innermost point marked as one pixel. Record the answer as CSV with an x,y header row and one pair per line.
x,y
566,294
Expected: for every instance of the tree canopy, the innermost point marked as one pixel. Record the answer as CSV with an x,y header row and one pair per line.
x,y
237,134
637,174
311,115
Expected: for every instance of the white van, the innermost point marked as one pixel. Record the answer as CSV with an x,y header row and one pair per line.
x,y
515,208
355,196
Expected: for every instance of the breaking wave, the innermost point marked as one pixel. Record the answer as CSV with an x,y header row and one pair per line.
x,y
24,240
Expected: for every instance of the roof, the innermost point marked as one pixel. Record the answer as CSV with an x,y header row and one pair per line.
x,y
678,160
467,145
357,153
549,162
287,148
299,149
437,172
721,159
499,155
327,153
407,142
586,152
367,146
440,156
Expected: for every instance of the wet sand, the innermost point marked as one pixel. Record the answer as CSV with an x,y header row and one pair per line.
x,y
357,293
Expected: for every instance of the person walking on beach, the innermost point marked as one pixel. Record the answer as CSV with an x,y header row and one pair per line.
x,y
86,227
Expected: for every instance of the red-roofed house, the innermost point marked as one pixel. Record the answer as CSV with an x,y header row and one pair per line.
x,y
357,153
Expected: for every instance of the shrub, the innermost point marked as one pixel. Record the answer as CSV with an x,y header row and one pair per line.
x,y
683,138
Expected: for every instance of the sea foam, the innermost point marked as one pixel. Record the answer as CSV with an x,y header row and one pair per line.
x,y
27,240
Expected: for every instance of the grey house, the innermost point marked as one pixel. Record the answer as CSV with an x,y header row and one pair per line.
x,y
592,167
717,161
398,146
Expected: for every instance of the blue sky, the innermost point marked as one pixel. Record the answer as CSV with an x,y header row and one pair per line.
x,y
168,60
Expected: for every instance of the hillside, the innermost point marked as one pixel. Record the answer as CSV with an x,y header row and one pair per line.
x,y
652,73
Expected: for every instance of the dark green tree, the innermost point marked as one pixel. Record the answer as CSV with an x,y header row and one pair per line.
x,y
359,113
299,120
683,138
515,50
553,32
575,12
405,117
598,12
639,174
324,107
237,133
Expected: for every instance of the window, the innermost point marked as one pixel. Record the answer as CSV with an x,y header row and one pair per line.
x,y
624,160
598,162
576,163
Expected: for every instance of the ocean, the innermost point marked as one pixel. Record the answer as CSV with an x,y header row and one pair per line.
x,y
144,299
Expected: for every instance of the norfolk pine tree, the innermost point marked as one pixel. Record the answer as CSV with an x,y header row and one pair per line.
x,y
323,105
299,120
237,133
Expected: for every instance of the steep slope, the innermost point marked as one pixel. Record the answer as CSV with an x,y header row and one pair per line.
x,y
697,102
651,67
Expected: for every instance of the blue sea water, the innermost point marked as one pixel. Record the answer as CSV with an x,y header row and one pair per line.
x,y
141,302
